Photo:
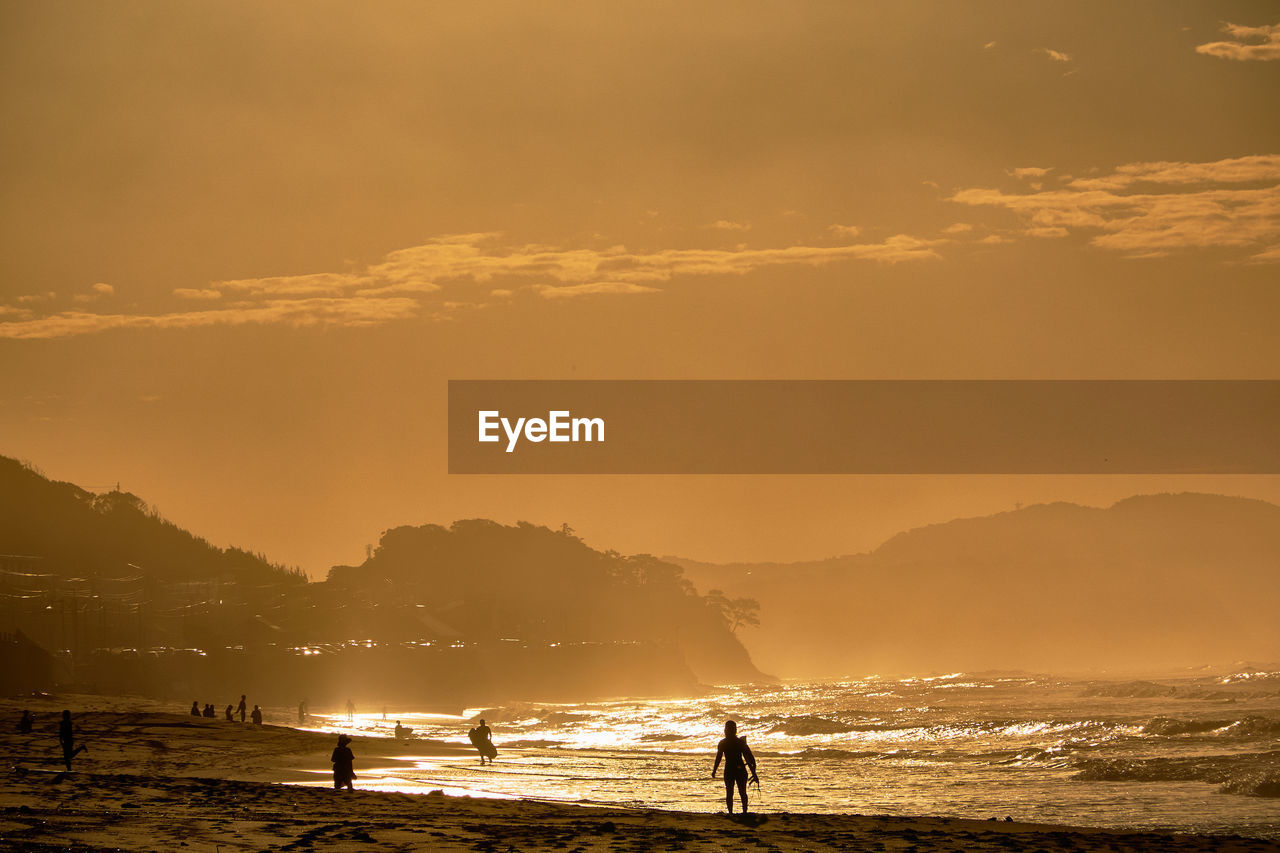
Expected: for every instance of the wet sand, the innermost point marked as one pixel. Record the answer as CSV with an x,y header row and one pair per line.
x,y
157,780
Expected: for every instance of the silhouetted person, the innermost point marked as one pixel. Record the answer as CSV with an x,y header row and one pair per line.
x,y
257,715
230,719
737,758
482,739
351,710
241,707
302,712
195,709
401,731
209,712
67,737
343,761
25,724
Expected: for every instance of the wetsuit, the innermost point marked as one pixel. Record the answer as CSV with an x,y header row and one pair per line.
x,y
737,759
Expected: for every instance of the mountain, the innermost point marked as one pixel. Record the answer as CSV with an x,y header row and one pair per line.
x,y
61,529
477,612
1153,581
481,580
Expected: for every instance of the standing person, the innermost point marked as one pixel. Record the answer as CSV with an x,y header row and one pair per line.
x,y
229,719
343,764
25,724
241,707
351,711
257,715
737,758
67,737
302,712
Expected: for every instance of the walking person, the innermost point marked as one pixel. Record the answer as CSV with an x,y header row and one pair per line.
x,y
343,764
482,739
737,759
67,737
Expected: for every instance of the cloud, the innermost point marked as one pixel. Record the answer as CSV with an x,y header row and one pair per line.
x,y
1055,55
297,312
1023,172
317,284
196,293
1150,209
957,228
1255,168
95,293
846,231
409,282
989,45
1248,43
727,225
547,291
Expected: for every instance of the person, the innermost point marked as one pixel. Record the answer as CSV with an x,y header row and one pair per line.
x,y
25,724
302,712
241,707
482,739
230,719
209,712
401,731
737,757
343,761
257,715
67,737
351,710
195,708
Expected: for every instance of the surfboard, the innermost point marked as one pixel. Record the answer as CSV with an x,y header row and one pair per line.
x,y
482,744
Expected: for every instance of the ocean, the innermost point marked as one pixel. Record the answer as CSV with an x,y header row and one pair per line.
x,y
1188,754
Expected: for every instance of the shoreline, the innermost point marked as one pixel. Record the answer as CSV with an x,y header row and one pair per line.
x,y
155,779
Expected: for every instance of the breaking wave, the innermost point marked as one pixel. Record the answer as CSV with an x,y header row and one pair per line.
x,y
1246,727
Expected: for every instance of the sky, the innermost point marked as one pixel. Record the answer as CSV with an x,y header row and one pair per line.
x,y
244,246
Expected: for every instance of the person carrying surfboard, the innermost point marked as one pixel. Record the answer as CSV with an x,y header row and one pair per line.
x,y
737,757
482,739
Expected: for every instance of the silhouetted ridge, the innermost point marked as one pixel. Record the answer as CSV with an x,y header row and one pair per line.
x,y
480,580
71,531
446,617
1162,580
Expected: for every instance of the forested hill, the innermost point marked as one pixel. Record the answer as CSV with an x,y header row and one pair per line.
x,y
1154,581
91,572
478,579
62,529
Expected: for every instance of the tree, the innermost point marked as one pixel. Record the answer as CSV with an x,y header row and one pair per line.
x,y
735,612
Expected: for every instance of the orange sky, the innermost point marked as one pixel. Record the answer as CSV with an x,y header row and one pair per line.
x,y
245,245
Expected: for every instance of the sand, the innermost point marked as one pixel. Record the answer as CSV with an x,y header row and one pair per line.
x,y
157,780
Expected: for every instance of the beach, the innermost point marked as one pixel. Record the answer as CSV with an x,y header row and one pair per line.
x,y
157,779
